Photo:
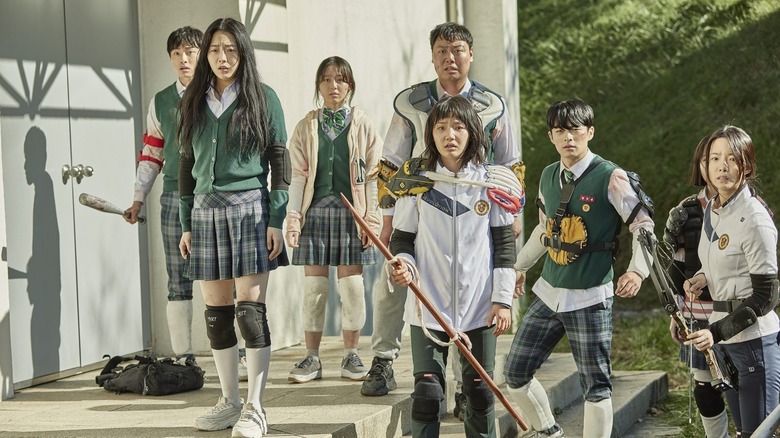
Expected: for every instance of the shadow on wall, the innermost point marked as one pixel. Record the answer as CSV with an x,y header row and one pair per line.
x,y
44,281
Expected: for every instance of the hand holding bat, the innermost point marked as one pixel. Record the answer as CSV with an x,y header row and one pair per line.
x,y
100,204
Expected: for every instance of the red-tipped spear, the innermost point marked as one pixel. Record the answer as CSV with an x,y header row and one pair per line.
x,y
437,316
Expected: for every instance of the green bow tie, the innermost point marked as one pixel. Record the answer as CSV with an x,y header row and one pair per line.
x,y
333,120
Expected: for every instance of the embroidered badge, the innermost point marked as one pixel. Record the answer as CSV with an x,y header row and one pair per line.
x,y
723,242
585,208
481,208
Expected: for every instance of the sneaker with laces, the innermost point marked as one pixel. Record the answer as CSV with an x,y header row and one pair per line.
x,y
221,416
460,406
380,379
306,370
553,432
252,423
352,367
243,374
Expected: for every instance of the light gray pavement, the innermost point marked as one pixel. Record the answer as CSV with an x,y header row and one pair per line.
x,y
77,407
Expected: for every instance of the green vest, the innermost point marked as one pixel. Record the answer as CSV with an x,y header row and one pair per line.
x,y
590,202
332,175
166,105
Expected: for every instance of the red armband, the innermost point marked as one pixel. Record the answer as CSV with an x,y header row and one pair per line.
x,y
153,141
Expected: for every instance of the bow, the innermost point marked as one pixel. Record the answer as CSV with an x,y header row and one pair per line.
x,y
333,120
439,318
661,281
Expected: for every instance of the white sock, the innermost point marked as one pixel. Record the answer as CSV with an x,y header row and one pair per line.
x,y
313,352
258,361
179,315
597,419
227,369
533,402
717,426
353,302
347,351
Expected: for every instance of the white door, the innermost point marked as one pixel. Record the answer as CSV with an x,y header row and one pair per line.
x,y
69,96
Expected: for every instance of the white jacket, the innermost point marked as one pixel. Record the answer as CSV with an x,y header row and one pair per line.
x,y
737,240
454,251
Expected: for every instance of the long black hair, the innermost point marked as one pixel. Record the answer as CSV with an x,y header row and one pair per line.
x,y
248,129
457,107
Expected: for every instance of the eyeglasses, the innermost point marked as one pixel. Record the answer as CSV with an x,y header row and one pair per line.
x,y
575,131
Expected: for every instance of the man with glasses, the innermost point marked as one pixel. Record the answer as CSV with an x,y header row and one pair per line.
x,y
451,55
583,200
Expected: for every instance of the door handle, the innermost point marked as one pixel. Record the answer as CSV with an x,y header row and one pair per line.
x,y
78,171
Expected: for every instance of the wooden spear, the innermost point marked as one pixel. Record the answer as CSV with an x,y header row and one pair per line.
x,y
437,316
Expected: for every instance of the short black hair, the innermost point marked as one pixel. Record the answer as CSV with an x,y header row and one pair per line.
x,y
184,36
568,114
451,32
457,107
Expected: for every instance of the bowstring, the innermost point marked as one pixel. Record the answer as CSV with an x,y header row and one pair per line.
x,y
665,253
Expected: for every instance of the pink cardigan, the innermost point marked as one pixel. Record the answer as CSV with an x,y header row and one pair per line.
x,y
365,148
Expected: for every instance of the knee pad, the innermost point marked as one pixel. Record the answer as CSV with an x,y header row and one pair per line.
x,y
708,399
219,326
427,398
253,324
353,302
315,296
478,394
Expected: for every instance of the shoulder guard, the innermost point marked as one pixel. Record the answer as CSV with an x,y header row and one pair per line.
x,y
413,105
408,181
487,103
644,199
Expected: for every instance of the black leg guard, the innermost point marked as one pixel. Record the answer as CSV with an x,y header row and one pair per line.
x,y
478,394
253,324
219,326
708,399
427,398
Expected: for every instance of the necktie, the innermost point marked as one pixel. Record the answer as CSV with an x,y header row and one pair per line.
x,y
333,120
568,175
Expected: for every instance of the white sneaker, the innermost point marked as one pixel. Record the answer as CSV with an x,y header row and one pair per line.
x,y
252,423
243,374
221,416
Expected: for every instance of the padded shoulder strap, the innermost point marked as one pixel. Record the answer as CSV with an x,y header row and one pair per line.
x,y
413,105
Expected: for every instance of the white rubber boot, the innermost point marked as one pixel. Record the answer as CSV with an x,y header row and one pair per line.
x,y
179,314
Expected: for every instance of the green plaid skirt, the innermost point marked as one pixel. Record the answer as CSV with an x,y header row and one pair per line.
x,y
329,237
228,236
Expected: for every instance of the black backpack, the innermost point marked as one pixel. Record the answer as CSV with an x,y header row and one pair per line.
x,y
149,376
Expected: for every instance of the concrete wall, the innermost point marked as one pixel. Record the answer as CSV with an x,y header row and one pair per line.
x,y
6,364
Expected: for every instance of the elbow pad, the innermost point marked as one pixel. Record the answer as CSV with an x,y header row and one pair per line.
x,y
734,323
281,168
186,181
504,253
402,242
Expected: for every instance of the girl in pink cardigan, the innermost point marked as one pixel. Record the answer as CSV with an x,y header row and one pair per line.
x,y
334,150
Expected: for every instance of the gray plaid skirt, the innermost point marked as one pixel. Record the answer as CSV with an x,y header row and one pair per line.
x,y
228,236
329,237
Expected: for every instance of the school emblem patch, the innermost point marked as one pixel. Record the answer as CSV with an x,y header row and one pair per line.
x,y
723,242
481,208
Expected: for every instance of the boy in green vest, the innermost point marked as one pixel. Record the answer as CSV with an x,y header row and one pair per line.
x,y
583,199
160,154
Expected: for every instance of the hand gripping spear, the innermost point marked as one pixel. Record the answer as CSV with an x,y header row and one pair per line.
x,y
437,316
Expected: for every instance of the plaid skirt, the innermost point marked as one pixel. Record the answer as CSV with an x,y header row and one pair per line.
x,y
228,236
329,237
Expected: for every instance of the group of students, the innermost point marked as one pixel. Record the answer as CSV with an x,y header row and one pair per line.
x,y
447,178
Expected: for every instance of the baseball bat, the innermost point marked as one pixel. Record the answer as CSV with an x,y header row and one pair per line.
x,y
101,204
440,319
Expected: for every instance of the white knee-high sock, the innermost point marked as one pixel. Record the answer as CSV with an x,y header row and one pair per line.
x,y
598,419
315,296
227,369
353,302
533,402
258,360
717,426
179,315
